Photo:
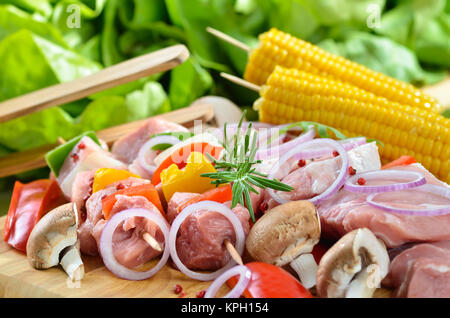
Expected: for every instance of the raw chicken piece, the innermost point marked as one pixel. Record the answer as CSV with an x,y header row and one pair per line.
x,y
130,249
426,278
315,177
89,157
402,262
346,211
177,200
94,214
127,148
81,191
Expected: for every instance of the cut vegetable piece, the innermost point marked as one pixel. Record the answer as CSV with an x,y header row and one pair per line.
x,y
270,281
29,203
56,157
105,176
146,190
180,155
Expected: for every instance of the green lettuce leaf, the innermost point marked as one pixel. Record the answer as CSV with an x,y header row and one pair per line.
x,y
151,100
188,82
12,19
383,55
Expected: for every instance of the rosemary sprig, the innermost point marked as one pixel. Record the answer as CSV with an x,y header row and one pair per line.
x,y
237,167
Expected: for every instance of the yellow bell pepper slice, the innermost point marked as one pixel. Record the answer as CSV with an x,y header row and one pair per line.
x,y
105,176
188,180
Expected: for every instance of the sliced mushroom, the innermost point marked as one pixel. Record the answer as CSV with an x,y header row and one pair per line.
x,y
54,233
353,267
72,263
287,234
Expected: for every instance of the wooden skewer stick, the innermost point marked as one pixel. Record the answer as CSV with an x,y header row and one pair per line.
x,y
152,241
229,39
121,73
234,254
61,141
241,82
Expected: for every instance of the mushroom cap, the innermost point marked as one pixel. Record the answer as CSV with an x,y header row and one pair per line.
x,y
55,230
284,232
348,256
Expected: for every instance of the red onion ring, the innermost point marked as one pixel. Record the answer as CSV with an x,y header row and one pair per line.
x,y
335,186
157,140
213,207
106,244
244,278
283,148
348,145
417,180
429,188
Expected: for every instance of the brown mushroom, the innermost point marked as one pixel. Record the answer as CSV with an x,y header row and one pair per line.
x,y
353,267
54,240
287,234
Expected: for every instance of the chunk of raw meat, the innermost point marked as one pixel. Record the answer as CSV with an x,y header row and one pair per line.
x,y
81,191
426,278
346,211
130,249
127,148
401,263
89,157
175,202
200,241
317,176
94,214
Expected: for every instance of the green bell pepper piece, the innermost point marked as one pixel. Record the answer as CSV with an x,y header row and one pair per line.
x,y
55,158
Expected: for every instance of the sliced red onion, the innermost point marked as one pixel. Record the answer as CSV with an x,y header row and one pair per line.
x,y
430,211
244,278
106,244
348,145
321,142
415,179
157,140
283,148
213,207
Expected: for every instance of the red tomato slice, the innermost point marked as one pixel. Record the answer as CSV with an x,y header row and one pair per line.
x,y
221,194
146,190
29,203
270,281
180,156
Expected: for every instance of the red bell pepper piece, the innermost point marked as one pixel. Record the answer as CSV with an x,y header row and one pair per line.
x,y
180,156
29,202
220,194
401,161
146,190
270,281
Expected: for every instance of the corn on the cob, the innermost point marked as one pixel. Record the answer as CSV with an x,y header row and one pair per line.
x,y
291,95
279,48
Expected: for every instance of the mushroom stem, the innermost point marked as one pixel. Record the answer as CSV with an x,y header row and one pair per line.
x,y
306,267
151,241
365,283
72,263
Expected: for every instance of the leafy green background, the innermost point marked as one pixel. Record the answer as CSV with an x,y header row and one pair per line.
x,y
38,48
